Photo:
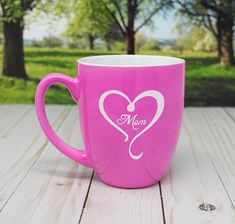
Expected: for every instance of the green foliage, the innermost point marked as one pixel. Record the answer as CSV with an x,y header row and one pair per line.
x,y
140,40
78,43
88,18
193,38
207,83
107,19
112,35
36,43
144,43
143,13
150,44
118,46
194,35
13,10
180,30
49,41
200,39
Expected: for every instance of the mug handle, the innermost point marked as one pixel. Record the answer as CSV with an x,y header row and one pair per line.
x,y
72,84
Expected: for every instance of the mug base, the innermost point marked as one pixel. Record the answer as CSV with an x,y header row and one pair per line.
x,y
129,186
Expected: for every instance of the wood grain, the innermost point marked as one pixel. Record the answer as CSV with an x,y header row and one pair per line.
x,y
106,204
231,112
55,188
40,185
193,184
21,146
10,115
220,129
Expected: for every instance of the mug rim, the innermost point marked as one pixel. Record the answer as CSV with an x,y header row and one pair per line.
x,y
130,61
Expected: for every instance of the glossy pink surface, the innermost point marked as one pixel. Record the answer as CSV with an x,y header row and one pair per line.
x,y
130,119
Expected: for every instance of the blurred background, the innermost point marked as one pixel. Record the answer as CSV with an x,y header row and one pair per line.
x,y
38,37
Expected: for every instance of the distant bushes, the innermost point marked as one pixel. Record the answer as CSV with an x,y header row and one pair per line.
x,y
194,39
146,43
49,41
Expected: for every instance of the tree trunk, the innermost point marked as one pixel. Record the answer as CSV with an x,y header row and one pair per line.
x,y
130,32
13,52
218,40
91,42
108,45
181,49
227,54
130,42
225,41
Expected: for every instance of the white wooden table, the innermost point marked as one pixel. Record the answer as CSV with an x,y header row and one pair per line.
x,y
40,185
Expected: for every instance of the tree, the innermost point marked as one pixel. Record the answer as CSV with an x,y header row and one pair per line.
x,y
144,43
48,41
180,31
89,19
218,17
126,14
140,40
200,39
112,35
12,18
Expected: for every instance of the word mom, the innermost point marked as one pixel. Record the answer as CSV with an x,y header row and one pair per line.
x,y
131,120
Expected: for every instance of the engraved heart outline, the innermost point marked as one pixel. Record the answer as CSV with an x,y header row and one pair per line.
x,y
131,107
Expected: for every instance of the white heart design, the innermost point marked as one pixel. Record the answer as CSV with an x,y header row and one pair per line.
x,y
131,107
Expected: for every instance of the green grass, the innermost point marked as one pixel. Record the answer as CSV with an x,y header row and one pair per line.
x,y
207,83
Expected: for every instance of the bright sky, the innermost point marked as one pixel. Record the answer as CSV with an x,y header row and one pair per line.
x,y
43,26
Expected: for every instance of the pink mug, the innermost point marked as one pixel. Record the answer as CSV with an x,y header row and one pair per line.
x,y
131,109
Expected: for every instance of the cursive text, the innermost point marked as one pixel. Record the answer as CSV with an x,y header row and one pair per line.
x,y
131,120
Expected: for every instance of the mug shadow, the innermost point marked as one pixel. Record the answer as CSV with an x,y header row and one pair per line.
x,y
71,170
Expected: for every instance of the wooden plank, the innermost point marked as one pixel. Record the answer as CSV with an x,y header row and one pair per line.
x,y
10,115
4,109
55,188
193,187
107,204
231,112
220,129
21,146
